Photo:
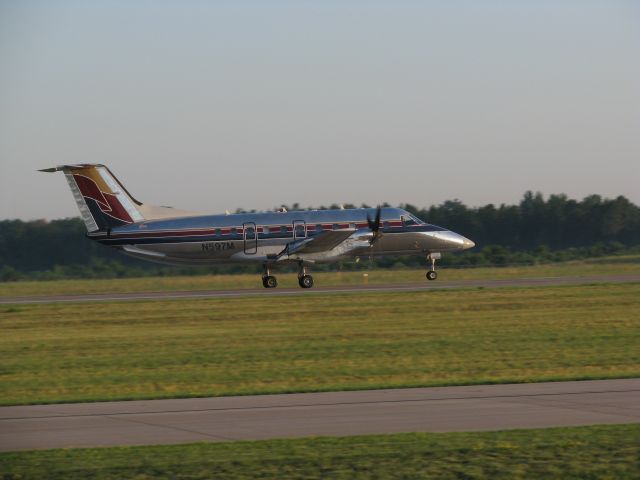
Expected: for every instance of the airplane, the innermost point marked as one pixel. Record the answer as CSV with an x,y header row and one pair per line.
x,y
115,218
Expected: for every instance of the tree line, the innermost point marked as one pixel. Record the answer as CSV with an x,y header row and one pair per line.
x,y
536,229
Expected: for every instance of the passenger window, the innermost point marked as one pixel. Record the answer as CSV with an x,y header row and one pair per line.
x,y
335,226
265,230
319,227
233,231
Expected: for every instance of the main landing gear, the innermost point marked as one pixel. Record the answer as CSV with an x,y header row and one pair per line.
x,y
304,280
268,280
432,274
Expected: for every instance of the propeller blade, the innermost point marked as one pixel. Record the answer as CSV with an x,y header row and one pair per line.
x,y
374,225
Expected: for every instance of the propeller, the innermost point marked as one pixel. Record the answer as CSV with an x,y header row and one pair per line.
x,y
374,225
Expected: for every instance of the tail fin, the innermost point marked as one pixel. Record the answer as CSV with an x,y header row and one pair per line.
x,y
103,201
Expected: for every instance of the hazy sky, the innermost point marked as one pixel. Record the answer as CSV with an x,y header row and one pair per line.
x,y
209,105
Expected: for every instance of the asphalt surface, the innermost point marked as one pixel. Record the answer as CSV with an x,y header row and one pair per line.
x,y
446,409
395,287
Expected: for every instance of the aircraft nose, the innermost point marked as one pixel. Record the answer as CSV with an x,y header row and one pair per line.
x,y
455,241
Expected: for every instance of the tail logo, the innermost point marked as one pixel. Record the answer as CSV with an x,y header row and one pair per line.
x,y
107,202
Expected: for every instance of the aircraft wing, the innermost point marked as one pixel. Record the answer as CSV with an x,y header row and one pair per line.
x,y
320,243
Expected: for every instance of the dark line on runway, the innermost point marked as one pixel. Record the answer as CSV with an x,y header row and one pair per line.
x,y
332,404
401,287
187,430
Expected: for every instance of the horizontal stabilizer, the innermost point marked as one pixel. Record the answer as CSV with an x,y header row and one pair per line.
x,y
61,168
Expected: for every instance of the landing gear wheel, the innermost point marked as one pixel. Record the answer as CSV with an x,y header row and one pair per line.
x,y
431,258
305,281
269,281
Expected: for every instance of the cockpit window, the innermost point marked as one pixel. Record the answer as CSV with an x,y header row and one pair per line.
x,y
408,219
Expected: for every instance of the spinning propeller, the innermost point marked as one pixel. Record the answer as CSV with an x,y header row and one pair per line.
x,y
374,226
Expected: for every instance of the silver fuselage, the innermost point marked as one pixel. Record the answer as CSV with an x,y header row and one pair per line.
x,y
264,237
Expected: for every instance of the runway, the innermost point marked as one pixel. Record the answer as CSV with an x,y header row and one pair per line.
x,y
446,409
395,287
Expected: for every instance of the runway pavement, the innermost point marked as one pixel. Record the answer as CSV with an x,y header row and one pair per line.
x,y
446,409
395,287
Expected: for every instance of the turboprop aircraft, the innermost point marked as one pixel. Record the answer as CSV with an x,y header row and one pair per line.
x,y
167,235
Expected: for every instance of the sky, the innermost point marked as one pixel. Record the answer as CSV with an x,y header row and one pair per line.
x,y
214,105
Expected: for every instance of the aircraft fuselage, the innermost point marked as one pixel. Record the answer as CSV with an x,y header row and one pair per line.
x,y
261,237
161,234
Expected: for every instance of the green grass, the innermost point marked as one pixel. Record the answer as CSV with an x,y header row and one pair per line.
x,y
225,346
579,453
601,266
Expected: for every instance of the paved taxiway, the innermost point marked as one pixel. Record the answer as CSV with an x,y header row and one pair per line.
x,y
445,409
395,287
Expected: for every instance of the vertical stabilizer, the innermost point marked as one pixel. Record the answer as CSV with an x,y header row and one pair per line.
x,y
103,201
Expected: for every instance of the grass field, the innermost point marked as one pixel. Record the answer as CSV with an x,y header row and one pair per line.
x,y
629,264
224,346
579,453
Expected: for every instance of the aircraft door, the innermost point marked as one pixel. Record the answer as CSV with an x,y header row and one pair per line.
x,y
299,229
250,238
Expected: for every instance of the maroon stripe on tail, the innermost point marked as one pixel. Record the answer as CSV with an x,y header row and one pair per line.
x,y
108,203
90,189
117,210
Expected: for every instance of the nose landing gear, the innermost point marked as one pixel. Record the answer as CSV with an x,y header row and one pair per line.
x,y
432,274
304,280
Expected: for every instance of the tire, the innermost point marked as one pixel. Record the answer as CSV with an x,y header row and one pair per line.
x,y
306,281
432,275
269,281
